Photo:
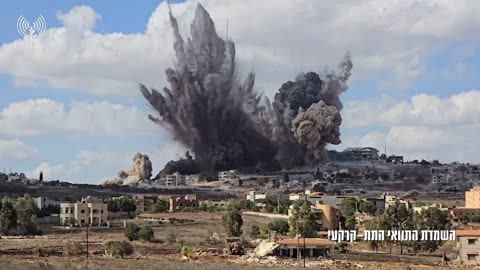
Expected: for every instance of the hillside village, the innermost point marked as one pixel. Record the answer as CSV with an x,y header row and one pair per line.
x,y
254,218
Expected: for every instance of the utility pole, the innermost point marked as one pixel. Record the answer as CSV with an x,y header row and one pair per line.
x,y
278,204
88,225
304,250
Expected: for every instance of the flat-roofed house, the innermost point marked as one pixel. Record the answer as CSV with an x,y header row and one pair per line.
x,y
468,245
309,247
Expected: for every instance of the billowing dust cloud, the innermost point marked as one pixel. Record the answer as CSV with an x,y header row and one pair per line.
x,y
227,124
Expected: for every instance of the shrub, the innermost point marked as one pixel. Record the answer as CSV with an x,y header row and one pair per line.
x,y
172,237
255,231
32,229
188,209
73,249
341,247
131,231
146,233
187,251
119,248
279,225
172,220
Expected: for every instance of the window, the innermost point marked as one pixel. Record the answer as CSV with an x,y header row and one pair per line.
x,y
82,211
472,241
181,205
472,256
194,205
66,210
101,211
82,221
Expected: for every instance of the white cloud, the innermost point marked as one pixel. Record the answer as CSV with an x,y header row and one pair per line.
x,y
279,39
16,150
45,116
426,126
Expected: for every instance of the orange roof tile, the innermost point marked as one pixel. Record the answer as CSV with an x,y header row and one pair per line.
x,y
308,241
467,232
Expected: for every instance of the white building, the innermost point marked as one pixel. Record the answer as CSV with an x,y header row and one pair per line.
x,y
43,202
254,195
175,179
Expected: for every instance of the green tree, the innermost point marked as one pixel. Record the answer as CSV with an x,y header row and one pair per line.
x,y
397,217
26,208
161,206
348,207
367,207
374,225
279,225
127,204
255,231
232,222
351,223
131,231
303,221
241,205
431,219
269,208
146,233
112,206
8,216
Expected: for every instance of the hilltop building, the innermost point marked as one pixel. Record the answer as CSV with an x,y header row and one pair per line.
x,y
175,179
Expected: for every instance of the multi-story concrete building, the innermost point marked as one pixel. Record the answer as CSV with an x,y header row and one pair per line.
x,y
89,211
468,246
361,153
329,216
227,175
472,198
144,203
254,195
390,200
43,202
175,179
180,203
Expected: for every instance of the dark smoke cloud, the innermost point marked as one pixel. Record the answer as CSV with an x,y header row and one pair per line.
x,y
223,121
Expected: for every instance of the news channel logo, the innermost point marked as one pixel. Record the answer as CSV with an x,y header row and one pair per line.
x,y
27,29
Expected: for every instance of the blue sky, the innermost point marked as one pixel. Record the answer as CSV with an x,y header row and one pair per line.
x,y
70,105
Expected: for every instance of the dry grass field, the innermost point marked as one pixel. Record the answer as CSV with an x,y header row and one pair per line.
x,y
46,252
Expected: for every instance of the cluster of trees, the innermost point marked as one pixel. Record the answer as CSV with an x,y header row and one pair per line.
x,y
272,205
232,222
398,217
303,221
469,218
351,206
18,215
277,206
279,225
134,232
161,206
123,204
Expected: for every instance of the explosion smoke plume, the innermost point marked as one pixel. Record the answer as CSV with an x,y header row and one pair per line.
x,y
221,119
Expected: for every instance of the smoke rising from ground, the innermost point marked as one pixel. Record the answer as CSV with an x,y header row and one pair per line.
x,y
223,119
